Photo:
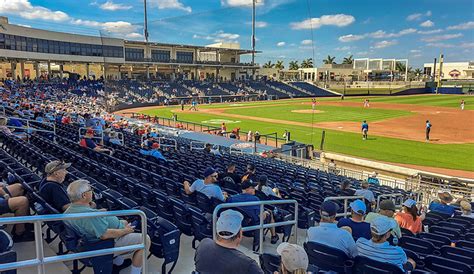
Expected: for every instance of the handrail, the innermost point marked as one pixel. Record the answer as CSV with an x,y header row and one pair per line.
x,y
392,196
30,128
174,145
345,198
41,260
261,226
191,145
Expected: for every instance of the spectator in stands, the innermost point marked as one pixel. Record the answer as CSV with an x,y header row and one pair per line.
x,y
332,167
262,186
346,189
466,209
230,177
248,195
379,249
327,233
373,178
114,139
88,142
153,152
222,255
368,195
408,218
386,209
356,223
102,228
3,126
257,137
206,186
442,206
52,189
294,259
13,201
250,173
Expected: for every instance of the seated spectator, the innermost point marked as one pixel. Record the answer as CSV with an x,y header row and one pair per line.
x,y
222,255
248,195
408,218
356,223
332,167
153,152
114,139
102,228
208,148
250,173
442,206
346,189
327,233
368,195
88,142
147,143
230,178
262,186
52,189
294,259
206,186
380,250
13,201
3,126
386,209
373,178
466,209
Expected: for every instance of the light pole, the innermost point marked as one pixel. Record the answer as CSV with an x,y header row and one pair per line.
x,y
145,26
253,37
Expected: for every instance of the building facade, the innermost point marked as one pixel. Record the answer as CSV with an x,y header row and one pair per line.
x,y
450,70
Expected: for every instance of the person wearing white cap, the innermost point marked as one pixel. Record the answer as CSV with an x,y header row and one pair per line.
x,y
222,255
356,223
466,209
294,259
408,218
379,249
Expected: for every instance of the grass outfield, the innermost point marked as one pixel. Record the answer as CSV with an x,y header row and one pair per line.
x,y
452,156
362,91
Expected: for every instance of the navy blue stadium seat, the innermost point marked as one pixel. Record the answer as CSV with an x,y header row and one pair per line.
x,y
419,246
7,255
202,226
465,244
364,265
452,234
437,240
442,265
458,254
163,205
182,216
327,258
269,263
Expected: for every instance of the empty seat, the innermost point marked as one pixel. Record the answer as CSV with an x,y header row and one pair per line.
x,y
327,258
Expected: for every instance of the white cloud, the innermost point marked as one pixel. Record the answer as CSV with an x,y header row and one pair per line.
x,y
342,48
219,36
26,26
428,13
339,20
119,28
306,42
261,24
384,44
445,45
415,51
427,24
463,26
351,38
441,37
430,31
25,9
170,4
281,44
109,5
418,16
237,3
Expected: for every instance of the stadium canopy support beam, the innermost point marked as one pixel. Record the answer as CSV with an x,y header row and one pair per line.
x,y
120,72
49,69
147,72
61,70
22,70
88,70
37,70
13,68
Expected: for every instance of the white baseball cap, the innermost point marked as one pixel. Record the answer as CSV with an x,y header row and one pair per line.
x,y
230,221
293,256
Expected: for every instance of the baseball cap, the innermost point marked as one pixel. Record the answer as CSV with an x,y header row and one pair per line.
x,y
209,171
55,166
387,205
329,209
251,167
409,203
358,206
247,183
263,178
381,225
465,206
230,221
89,131
293,256
155,145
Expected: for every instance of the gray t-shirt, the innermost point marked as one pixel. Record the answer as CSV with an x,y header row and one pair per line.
x,y
211,258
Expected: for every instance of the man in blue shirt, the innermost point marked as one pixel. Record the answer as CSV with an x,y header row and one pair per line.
x,y
51,189
248,195
356,223
206,186
443,206
365,130
428,129
154,152
327,233
379,249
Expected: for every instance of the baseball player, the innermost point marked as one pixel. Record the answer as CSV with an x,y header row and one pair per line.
x,y
462,104
428,129
365,130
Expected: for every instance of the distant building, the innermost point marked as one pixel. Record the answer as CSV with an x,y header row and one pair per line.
x,y
451,70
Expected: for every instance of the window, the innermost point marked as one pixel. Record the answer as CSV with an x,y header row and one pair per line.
x,y
160,55
184,57
134,54
2,41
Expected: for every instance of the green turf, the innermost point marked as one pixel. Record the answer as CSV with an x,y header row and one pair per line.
x,y
452,156
365,91
440,100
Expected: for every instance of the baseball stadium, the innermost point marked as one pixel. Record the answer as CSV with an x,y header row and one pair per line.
x,y
236,136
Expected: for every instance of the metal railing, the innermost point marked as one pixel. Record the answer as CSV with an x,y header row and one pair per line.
x,y
29,127
346,206
197,145
392,197
101,137
41,259
161,141
261,226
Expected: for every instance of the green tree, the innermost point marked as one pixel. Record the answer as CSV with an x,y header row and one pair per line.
x,y
348,60
279,65
329,60
294,65
269,65
307,63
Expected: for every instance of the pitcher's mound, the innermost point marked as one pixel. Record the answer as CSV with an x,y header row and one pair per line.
x,y
307,111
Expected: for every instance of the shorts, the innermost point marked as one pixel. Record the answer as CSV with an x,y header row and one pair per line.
x,y
407,266
131,239
4,208
365,131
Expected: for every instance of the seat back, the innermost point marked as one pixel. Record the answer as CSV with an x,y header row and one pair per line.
x,y
443,265
364,265
204,203
419,246
269,263
202,227
163,205
325,257
437,240
458,254
182,216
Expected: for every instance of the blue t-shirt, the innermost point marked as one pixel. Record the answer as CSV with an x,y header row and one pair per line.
x,y
359,229
89,143
442,208
428,125
365,126
383,252
15,122
54,194
252,211
211,190
154,153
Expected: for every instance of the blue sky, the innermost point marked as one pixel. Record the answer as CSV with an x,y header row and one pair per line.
x,y
286,29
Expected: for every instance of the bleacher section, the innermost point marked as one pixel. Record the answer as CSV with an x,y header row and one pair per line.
x,y
288,89
208,89
314,90
261,87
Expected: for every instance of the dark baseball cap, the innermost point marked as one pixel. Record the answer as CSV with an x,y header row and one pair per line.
x,y
209,171
247,183
387,205
329,209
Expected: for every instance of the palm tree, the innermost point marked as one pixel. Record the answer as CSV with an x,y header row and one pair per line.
x,y
307,63
348,60
401,67
268,65
279,65
329,60
418,71
294,65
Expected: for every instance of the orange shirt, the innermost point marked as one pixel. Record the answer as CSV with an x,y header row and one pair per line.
x,y
405,220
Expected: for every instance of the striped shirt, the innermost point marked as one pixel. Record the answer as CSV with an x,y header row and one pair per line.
x,y
382,252
329,234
